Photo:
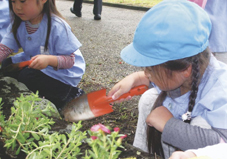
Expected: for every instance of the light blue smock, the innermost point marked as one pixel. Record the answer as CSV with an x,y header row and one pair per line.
x,y
4,17
211,101
61,42
217,11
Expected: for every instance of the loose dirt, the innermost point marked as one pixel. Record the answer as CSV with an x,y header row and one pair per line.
x,y
123,117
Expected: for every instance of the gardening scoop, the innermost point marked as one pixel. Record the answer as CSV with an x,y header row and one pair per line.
x,y
15,67
94,104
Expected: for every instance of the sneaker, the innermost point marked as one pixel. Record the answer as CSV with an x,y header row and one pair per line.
x,y
97,17
78,14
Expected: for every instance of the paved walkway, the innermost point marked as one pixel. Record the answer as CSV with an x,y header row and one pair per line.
x,y
102,41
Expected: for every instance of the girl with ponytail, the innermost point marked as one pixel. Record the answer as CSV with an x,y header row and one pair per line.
x,y
186,105
56,63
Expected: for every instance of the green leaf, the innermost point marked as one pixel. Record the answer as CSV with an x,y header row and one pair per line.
x,y
13,145
46,150
21,138
34,144
18,150
30,140
35,136
63,137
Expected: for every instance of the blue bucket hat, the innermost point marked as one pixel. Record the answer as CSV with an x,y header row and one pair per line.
x,y
171,30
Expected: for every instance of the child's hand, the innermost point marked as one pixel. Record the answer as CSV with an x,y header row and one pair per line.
x,y
42,61
119,89
158,118
127,83
182,155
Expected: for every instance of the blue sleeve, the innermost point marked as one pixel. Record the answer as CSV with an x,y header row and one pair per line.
x,y
9,40
63,40
213,103
4,18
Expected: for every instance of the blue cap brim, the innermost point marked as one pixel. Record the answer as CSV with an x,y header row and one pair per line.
x,y
133,57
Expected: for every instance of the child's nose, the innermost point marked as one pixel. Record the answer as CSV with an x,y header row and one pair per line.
x,y
17,5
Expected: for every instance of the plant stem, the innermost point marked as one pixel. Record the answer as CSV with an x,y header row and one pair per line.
x,y
38,149
64,148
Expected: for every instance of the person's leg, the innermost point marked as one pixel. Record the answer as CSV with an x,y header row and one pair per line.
x,y
77,6
55,91
6,62
97,10
145,105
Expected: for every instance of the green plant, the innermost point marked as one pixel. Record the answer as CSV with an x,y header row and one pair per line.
x,y
27,129
58,146
26,123
104,146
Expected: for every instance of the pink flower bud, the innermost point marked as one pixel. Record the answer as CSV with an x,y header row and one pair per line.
x,y
122,137
116,129
119,140
94,137
101,127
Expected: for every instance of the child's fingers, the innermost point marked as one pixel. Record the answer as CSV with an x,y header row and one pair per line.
x,y
34,57
31,64
116,94
34,65
112,91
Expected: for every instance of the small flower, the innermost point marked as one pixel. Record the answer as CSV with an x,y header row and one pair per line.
x,y
95,128
118,143
1,129
116,129
37,118
98,127
124,136
94,137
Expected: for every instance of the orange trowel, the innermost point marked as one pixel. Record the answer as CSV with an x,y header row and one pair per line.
x,y
94,104
15,67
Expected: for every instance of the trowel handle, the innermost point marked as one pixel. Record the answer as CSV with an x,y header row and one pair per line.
x,y
133,92
24,63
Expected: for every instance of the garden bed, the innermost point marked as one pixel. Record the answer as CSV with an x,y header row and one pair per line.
x,y
122,117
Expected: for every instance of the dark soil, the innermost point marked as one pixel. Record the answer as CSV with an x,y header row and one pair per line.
x,y
123,117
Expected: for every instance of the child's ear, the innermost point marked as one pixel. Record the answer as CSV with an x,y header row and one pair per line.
x,y
187,72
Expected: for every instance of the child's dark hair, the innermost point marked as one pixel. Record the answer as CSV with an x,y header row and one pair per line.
x,y
199,63
49,8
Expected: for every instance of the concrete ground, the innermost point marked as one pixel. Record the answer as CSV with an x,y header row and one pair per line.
x,y
102,41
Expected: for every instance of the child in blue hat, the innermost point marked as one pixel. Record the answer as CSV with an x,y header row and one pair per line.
x,y
186,106
47,40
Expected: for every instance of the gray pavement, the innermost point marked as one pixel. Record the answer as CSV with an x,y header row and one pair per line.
x,y
102,41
